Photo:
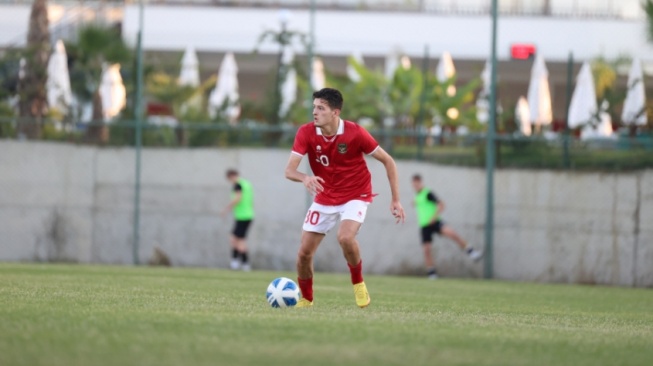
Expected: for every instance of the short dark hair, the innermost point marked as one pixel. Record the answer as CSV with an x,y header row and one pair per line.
x,y
417,178
332,96
231,172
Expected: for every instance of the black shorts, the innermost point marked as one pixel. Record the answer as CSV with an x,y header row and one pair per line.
x,y
429,230
240,228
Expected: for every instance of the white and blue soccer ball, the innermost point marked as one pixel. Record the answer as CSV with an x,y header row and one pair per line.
x,y
282,292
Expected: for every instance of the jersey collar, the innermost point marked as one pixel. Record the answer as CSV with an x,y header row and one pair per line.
x,y
341,128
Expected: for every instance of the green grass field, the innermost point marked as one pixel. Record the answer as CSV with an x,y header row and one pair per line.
x,y
103,315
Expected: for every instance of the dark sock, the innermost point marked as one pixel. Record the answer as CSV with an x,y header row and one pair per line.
x,y
356,272
235,254
469,250
306,288
243,257
432,271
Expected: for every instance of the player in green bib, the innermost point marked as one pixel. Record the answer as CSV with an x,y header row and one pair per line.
x,y
242,207
429,208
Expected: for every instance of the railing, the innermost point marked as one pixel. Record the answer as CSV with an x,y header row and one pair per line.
x,y
622,9
619,154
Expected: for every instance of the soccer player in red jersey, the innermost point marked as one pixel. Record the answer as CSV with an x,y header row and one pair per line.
x,y
341,185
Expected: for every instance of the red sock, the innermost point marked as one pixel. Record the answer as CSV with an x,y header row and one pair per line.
x,y
356,272
306,288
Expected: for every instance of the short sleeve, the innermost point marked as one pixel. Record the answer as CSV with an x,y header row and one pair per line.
x,y
299,146
368,143
238,187
432,197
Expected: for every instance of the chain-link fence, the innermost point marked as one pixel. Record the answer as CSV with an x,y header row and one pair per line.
x,y
622,152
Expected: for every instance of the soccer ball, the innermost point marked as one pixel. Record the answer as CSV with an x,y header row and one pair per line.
x,y
282,292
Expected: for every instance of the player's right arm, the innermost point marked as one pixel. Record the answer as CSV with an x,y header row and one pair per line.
x,y
436,215
312,184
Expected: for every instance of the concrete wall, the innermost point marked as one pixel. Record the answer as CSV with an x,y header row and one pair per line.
x,y
73,203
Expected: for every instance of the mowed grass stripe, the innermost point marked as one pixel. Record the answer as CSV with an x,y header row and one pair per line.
x,y
108,315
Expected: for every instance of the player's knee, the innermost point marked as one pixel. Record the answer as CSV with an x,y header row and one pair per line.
x,y
304,256
346,239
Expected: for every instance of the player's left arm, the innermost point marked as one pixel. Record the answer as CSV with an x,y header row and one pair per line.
x,y
237,197
393,177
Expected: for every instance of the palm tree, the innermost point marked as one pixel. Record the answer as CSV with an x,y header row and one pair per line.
x,y
96,46
284,38
648,8
33,102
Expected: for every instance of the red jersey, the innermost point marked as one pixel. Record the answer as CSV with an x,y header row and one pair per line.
x,y
339,160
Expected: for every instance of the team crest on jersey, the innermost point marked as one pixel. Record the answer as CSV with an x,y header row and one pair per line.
x,y
342,148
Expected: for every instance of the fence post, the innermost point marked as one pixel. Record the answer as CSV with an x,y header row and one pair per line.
x,y
138,114
489,153
566,163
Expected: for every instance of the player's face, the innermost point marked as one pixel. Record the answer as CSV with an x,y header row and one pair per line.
x,y
323,114
417,185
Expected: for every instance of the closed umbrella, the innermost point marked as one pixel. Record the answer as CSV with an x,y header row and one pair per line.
x,y
539,94
445,71
603,129
318,79
226,90
634,110
483,99
190,76
112,92
289,85
190,68
58,89
582,108
351,72
391,64
523,116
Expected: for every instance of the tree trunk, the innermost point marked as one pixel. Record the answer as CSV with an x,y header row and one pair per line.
x,y
97,131
32,91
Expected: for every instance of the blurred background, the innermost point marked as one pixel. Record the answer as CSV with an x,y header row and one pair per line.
x,y
251,65
203,85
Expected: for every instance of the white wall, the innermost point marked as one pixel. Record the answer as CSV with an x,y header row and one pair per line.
x,y
74,203
376,33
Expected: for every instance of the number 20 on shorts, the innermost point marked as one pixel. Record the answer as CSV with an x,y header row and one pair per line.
x,y
313,217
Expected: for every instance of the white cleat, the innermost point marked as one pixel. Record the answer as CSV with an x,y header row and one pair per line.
x,y
246,267
235,264
475,254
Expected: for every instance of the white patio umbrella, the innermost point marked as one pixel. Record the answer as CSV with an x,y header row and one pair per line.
x,y
190,68
289,86
523,116
189,75
634,110
603,129
351,72
391,63
58,89
318,79
445,71
483,98
539,94
226,90
583,101
112,92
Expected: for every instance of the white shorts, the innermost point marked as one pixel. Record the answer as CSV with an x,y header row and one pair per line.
x,y
321,218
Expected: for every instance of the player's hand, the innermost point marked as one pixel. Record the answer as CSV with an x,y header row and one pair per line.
x,y
313,184
398,211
